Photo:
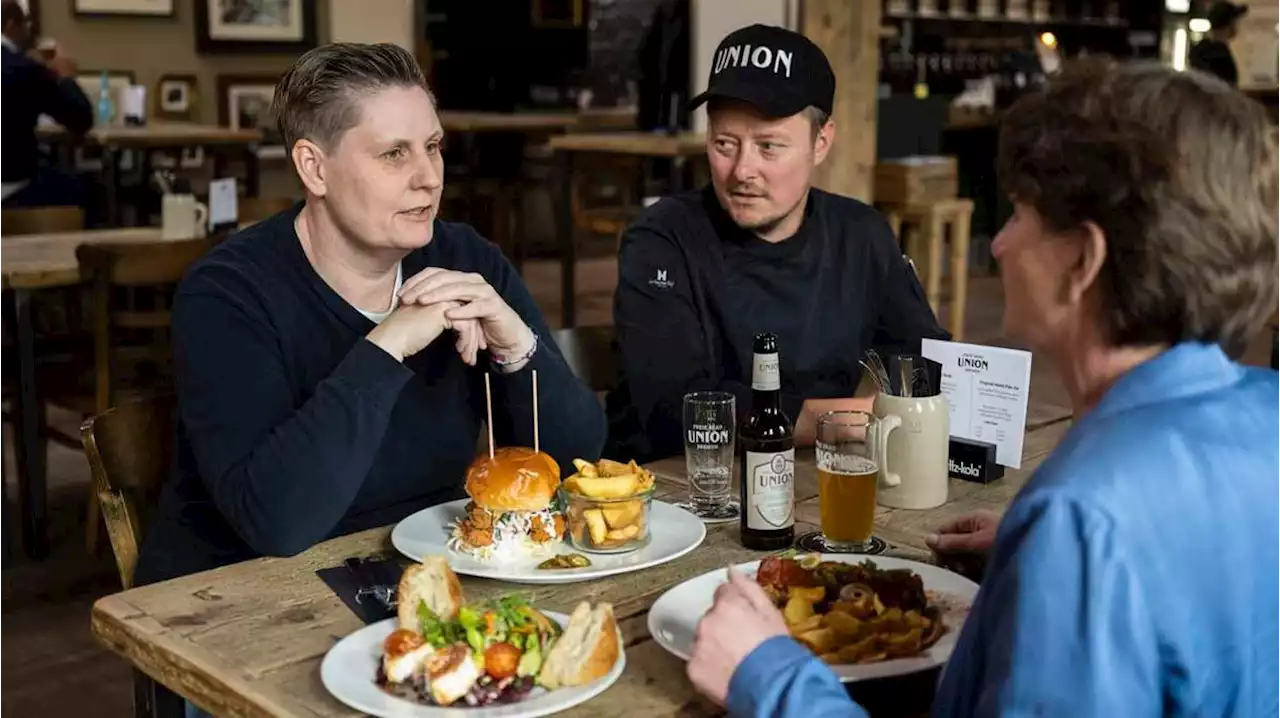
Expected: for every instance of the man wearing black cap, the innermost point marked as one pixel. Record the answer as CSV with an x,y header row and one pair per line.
x,y
1213,54
759,249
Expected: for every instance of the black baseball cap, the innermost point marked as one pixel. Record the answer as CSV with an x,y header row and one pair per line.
x,y
778,71
1222,14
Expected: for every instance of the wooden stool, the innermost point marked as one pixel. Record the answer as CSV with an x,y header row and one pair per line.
x,y
933,221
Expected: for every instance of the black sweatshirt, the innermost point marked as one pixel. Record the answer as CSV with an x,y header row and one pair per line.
x,y
694,289
31,89
294,428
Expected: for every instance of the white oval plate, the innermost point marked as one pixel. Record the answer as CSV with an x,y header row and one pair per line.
x,y
350,672
673,532
674,617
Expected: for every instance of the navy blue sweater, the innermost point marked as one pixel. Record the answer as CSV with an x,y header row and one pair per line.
x,y
294,428
29,90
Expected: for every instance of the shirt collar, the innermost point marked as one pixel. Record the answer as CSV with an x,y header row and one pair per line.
x,y
1186,369
8,44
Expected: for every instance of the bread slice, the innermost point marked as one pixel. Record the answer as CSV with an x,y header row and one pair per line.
x,y
431,581
586,651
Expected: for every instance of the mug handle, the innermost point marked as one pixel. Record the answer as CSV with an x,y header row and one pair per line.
x,y
202,218
886,427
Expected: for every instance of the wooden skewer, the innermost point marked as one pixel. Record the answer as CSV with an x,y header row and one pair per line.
x,y
535,410
488,407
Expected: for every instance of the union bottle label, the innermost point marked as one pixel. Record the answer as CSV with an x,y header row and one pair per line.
x,y
771,491
765,375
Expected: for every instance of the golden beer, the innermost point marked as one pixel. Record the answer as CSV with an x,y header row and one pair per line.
x,y
847,500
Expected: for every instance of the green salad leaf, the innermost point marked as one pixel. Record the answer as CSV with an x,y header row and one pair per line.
x,y
438,633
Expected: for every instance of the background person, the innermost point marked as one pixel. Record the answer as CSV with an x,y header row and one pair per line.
x,y
34,87
1213,53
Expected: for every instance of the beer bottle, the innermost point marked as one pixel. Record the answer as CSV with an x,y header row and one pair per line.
x,y
766,456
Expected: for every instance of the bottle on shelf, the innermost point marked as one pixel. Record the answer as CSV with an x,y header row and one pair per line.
x,y
767,456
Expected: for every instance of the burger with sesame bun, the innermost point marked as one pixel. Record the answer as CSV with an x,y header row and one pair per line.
x,y
513,512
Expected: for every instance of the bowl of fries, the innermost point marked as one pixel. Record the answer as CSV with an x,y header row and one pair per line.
x,y
607,505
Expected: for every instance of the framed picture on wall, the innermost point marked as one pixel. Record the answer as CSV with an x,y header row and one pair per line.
x,y
244,102
176,97
152,8
255,26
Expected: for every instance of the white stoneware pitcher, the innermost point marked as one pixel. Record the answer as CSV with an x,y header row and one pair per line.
x,y
914,459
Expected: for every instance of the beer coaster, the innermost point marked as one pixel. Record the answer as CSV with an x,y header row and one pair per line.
x,y
722,515
814,542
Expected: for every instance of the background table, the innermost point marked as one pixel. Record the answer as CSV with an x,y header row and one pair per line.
x,y
638,144
162,135
31,263
248,639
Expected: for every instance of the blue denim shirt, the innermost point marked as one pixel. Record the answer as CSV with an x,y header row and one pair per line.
x,y
1135,574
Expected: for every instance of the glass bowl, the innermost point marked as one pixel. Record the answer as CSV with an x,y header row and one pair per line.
x,y
612,525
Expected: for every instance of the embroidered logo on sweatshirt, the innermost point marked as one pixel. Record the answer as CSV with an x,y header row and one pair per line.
x,y
660,280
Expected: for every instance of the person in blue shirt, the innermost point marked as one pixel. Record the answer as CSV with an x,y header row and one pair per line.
x,y
1136,572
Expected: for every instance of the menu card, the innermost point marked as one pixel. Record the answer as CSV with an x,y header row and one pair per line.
x,y
986,390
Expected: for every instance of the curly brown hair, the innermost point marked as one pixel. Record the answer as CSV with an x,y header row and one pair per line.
x,y
1179,171
316,98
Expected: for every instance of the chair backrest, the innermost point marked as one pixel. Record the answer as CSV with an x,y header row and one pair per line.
x,y
591,354
129,448
40,220
145,273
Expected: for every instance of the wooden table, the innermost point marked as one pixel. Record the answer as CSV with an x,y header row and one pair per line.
x,y
548,122
31,263
468,125
248,639
637,144
162,135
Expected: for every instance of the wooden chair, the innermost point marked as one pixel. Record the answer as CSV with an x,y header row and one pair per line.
x,y
130,288
591,354
129,450
40,220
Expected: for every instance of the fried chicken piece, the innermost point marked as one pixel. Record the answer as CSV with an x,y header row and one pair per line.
x,y
479,518
538,531
476,537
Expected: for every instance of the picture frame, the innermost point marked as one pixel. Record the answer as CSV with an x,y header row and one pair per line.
x,y
255,26
90,82
130,8
244,102
176,97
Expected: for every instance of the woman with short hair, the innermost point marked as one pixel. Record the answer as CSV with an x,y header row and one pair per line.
x,y
330,360
1135,572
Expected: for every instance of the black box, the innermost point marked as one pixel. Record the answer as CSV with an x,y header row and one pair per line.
x,y
973,461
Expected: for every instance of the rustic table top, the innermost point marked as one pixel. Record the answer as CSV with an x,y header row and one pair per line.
x,y
647,144
42,261
161,134
248,639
